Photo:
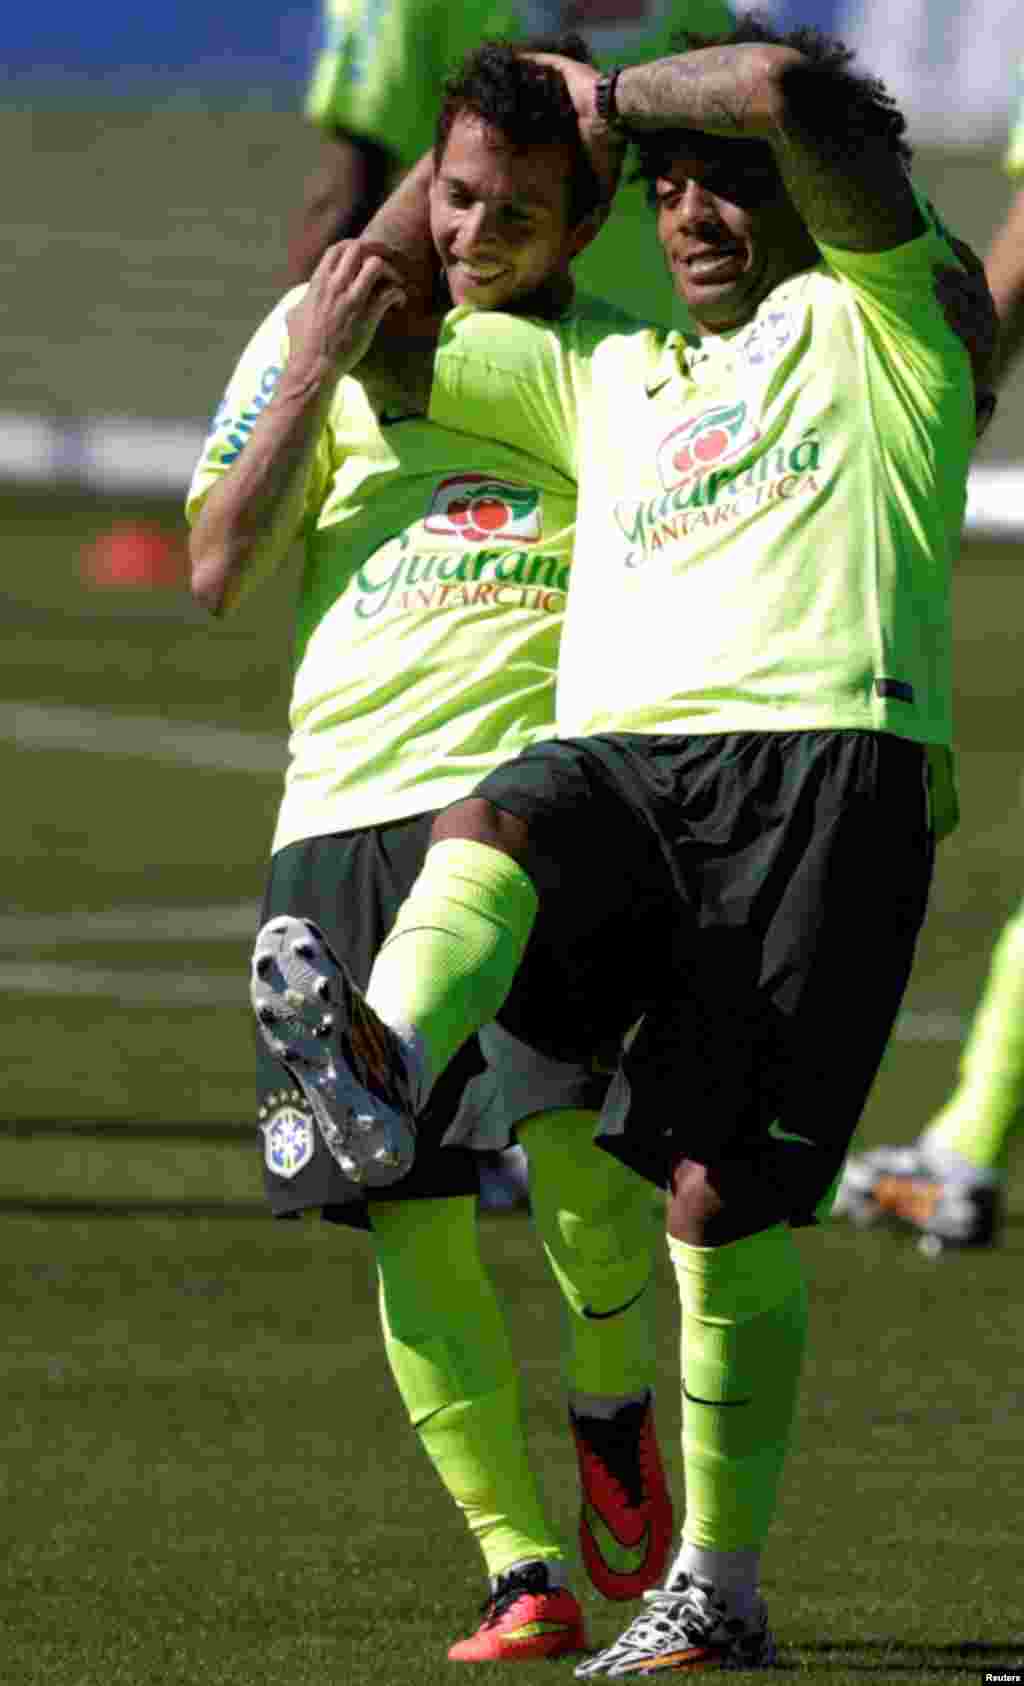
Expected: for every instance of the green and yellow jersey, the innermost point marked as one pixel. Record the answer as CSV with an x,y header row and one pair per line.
x,y
767,518
431,603
378,74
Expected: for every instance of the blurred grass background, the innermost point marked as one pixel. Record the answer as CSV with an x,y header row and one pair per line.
x,y
208,1473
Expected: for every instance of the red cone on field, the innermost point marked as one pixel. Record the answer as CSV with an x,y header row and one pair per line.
x,y
134,553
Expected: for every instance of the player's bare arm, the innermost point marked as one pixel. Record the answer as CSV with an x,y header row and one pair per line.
x,y
253,515
397,369
339,197
1004,266
850,189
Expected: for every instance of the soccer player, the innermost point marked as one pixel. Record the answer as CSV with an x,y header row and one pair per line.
x,y
373,96
949,1186
754,688
428,628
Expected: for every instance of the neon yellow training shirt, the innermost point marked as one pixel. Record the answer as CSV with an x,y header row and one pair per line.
x,y
767,518
383,61
431,602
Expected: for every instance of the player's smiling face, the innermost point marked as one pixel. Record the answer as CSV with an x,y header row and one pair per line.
x,y
499,217
729,232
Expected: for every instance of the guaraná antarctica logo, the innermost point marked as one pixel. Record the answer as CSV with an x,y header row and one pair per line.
x,y
288,1136
708,441
479,509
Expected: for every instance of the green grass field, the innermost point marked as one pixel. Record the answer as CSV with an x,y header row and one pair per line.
x,y
208,1474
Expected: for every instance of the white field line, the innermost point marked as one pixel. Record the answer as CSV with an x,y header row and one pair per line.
x,y
191,988
216,748
26,933
32,726
131,453
130,925
131,989
35,726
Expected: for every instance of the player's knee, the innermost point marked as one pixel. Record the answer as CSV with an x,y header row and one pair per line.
x,y
476,820
712,1205
603,1258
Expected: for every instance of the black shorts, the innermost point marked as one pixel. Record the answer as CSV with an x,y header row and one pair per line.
x,y
755,898
352,884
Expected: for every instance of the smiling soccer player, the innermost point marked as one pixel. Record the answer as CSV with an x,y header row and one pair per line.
x,y
754,702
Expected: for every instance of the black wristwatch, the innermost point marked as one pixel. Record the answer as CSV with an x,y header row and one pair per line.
x,y
604,99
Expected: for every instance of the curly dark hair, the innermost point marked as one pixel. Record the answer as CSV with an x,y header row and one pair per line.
x,y
842,106
528,103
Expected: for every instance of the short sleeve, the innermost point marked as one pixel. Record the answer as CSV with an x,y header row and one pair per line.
x,y
248,393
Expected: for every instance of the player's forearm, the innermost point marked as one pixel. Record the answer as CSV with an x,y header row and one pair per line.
x,y
398,368
848,183
1004,266
403,221
252,516
735,91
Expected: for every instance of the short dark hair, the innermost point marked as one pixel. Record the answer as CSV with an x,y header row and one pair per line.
x,y
526,102
843,106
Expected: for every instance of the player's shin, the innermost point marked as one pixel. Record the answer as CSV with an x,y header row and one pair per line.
x,y
452,953
601,1230
972,1131
449,1352
744,1325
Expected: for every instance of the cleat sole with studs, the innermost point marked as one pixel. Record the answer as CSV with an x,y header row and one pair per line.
x,y
295,976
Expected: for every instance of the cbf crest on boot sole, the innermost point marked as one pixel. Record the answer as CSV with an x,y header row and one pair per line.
x,y
349,1065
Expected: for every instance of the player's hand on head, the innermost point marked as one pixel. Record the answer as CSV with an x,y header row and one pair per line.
x,y
606,147
352,288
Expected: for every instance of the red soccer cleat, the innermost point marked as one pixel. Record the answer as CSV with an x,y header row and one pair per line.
x,y
626,1522
524,1618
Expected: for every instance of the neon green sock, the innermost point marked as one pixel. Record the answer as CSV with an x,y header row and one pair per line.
x,y
744,1327
449,1353
988,1103
601,1232
453,950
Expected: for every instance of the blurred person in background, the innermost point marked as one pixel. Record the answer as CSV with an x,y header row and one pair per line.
x,y
429,623
949,1186
1004,263
373,94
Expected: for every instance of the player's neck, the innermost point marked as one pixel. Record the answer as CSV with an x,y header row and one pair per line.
x,y
550,300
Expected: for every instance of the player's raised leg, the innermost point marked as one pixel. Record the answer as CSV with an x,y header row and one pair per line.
x,y
367,1062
